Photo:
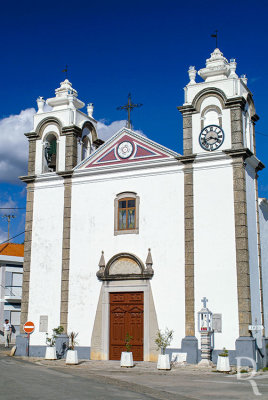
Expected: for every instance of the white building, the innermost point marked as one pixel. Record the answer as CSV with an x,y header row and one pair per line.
x,y
94,210
11,269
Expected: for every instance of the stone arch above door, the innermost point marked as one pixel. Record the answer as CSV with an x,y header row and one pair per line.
x,y
125,266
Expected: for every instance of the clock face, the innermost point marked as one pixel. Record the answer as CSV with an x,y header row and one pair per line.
x,y
125,149
211,137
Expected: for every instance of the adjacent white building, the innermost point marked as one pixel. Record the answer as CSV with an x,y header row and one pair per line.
x,y
11,270
127,236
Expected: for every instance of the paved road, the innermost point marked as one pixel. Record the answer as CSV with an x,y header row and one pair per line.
x,y
44,380
25,381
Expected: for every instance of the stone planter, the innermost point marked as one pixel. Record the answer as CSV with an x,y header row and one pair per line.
x,y
51,353
126,359
223,364
163,362
71,357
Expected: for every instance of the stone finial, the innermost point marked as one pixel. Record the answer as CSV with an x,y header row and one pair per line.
x,y
232,67
149,260
192,74
102,265
244,79
40,104
90,109
217,67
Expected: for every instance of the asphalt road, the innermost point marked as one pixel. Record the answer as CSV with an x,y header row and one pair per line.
x,y
26,381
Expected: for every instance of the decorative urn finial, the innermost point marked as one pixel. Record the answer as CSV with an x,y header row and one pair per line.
x,y
90,109
192,74
40,104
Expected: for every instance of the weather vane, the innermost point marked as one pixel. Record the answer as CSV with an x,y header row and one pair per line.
x,y
129,107
66,71
215,35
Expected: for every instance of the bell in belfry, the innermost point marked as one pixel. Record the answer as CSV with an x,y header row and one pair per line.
x,y
52,162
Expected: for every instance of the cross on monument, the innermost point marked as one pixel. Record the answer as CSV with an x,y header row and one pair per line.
x,y
204,301
129,107
215,35
66,71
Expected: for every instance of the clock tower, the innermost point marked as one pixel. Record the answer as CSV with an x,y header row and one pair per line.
x,y
221,199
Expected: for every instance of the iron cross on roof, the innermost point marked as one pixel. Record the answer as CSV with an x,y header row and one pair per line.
x,y
129,107
204,301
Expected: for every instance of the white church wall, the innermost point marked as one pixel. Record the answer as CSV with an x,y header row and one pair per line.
x,y
263,215
161,228
215,252
253,248
45,276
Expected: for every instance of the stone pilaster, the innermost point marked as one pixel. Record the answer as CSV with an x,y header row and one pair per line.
x,y
187,134
241,240
27,254
237,128
259,248
189,244
66,252
71,133
32,137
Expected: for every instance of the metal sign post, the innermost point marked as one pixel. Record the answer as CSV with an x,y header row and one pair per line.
x,y
28,328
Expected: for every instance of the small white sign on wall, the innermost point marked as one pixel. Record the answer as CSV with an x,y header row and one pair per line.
x,y
217,323
43,324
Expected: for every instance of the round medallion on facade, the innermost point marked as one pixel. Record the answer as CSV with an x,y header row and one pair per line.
x,y
211,137
125,149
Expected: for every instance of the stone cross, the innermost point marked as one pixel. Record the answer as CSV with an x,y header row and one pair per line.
x,y
204,301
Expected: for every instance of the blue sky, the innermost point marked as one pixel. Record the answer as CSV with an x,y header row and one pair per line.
x,y
116,47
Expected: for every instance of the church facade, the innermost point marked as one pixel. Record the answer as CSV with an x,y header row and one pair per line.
x,y
128,236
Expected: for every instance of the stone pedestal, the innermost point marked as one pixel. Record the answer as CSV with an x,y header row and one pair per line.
x,y
246,349
205,348
62,343
21,345
189,345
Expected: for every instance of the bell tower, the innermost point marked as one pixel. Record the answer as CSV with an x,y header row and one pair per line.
x,y
220,193
61,137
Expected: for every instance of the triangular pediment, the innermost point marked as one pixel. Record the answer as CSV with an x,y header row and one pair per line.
x,y
125,147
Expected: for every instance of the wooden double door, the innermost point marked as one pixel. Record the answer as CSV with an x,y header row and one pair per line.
x,y
126,316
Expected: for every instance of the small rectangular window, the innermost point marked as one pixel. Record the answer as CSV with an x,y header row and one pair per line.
x,y
126,214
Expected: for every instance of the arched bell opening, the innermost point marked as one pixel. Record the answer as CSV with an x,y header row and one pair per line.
x,y
50,153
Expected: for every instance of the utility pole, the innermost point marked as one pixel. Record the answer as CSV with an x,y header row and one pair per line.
x,y
8,218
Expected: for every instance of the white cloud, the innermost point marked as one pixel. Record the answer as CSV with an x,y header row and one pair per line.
x,y
14,145
106,131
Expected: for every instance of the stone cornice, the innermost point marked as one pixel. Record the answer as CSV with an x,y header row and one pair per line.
x,y
186,109
71,130
187,159
31,135
65,174
245,154
235,102
27,178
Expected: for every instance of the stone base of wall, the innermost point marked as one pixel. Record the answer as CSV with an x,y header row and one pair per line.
x,y
189,345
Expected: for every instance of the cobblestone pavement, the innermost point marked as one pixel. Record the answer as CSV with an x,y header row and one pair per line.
x,y
182,382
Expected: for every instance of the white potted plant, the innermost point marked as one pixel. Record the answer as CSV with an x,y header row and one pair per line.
x,y
162,341
71,357
223,363
127,356
50,342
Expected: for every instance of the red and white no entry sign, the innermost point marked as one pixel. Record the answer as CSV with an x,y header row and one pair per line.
x,y
28,327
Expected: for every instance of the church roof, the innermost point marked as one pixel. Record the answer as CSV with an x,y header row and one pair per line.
x,y
12,249
126,146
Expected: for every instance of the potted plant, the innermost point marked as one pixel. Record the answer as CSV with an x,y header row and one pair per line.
x,y
126,356
162,341
223,363
50,342
71,357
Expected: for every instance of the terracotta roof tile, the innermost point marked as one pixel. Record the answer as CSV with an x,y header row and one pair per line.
x,y
12,249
